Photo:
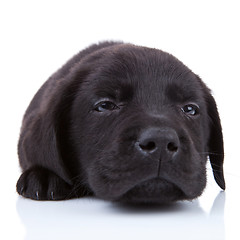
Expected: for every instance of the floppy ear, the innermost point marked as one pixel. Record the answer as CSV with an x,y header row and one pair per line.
x,y
44,139
215,143
39,139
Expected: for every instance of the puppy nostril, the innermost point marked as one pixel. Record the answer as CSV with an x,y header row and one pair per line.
x,y
148,147
172,147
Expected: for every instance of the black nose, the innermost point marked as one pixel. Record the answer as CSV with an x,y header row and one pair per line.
x,y
162,142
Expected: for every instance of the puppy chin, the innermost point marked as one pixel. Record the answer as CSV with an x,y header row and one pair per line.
x,y
156,191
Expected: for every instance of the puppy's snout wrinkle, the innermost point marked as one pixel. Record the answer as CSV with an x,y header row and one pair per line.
x,y
158,142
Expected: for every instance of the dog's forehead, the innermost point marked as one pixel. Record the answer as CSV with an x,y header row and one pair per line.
x,y
146,74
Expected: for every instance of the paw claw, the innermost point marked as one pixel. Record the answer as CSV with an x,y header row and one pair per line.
x,y
37,195
52,195
21,191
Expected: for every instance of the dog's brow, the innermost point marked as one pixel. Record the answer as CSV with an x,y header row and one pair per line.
x,y
179,94
106,93
116,91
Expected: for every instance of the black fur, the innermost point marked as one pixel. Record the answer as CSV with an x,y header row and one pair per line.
x,y
123,123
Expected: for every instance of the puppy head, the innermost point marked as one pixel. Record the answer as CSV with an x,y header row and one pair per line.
x,y
142,126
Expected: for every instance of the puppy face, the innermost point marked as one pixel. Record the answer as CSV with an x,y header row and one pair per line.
x,y
123,123
141,128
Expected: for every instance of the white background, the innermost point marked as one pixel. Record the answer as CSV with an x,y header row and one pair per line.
x,y
37,37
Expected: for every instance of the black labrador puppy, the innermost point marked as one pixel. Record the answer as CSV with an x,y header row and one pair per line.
x,y
123,123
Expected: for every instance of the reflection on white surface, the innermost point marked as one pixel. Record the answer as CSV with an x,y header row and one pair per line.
x,y
91,218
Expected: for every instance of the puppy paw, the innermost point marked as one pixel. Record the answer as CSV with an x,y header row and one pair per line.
x,y
42,184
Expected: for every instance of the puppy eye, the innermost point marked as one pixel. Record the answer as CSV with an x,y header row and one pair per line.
x,y
191,109
105,106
